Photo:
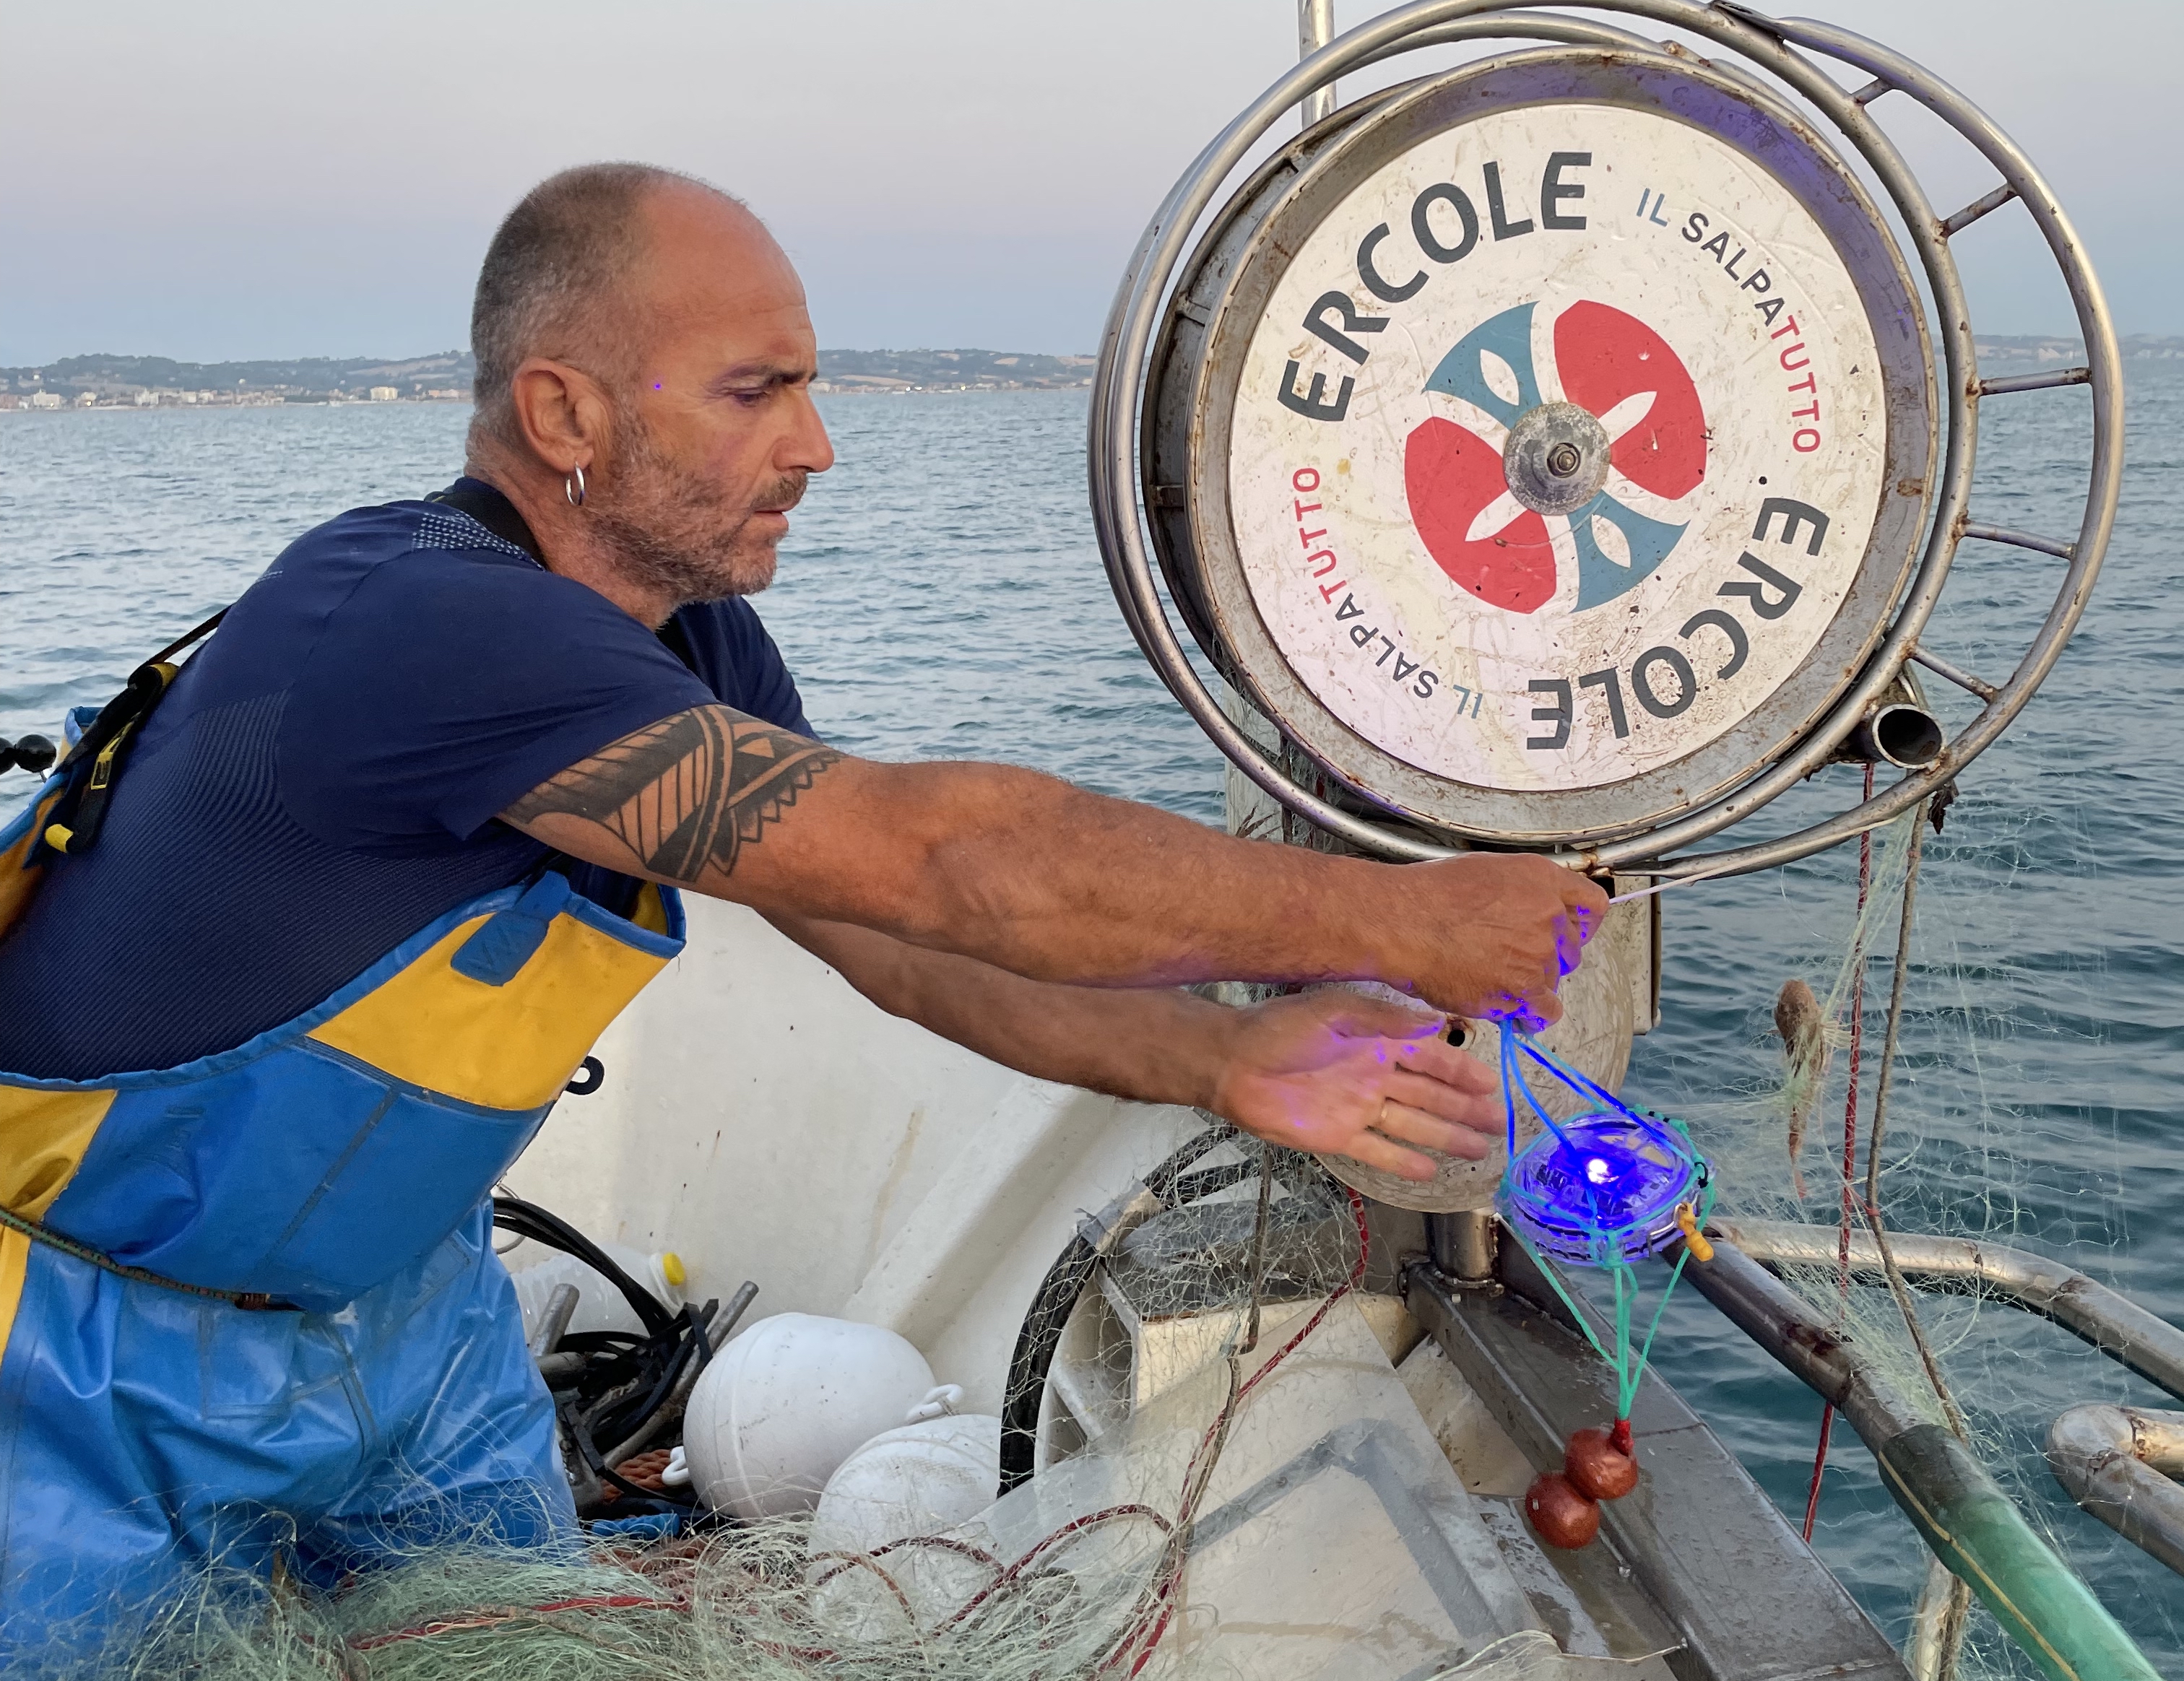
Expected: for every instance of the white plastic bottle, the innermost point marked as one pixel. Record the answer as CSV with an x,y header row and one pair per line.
x,y
599,1306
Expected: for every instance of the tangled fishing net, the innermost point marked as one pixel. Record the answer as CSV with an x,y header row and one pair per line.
x,y
1911,1076
1098,1566
732,1605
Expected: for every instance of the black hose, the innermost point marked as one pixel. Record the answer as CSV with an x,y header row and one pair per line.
x,y
1057,1297
689,1346
528,1220
622,1378
645,1499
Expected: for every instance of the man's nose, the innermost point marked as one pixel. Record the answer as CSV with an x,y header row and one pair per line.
x,y
808,449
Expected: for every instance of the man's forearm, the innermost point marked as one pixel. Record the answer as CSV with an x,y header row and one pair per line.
x,y
1153,1046
1048,881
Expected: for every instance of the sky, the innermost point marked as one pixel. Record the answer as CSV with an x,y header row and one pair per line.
x,y
243,179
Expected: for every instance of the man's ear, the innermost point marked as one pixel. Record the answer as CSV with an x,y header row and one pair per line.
x,y
561,411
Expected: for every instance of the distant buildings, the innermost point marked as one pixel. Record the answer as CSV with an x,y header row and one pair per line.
x,y
384,393
45,399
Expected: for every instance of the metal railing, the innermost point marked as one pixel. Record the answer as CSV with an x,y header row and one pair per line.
x,y
1773,46
1967,1521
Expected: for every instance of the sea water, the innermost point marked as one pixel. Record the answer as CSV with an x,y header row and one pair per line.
x,y
940,596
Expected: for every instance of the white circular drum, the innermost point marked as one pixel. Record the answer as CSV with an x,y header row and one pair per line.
x,y
1544,448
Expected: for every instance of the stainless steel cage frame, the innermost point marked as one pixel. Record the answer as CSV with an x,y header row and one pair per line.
x,y
1767,44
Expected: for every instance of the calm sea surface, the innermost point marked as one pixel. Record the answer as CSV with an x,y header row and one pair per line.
x,y
941,596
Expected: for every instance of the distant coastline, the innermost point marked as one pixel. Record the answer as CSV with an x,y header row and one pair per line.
x,y
110,381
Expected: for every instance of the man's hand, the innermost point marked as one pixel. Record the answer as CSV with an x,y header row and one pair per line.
x,y
1342,1074
1502,931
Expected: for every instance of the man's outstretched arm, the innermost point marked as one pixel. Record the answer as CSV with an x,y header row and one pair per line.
x,y
1046,881
1335,1072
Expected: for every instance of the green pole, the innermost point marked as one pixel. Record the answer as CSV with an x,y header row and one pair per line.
x,y
1978,1532
1971,1525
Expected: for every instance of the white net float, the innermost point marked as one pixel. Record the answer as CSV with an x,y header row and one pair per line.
x,y
781,1407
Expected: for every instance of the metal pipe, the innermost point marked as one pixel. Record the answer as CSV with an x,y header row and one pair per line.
x,y
1954,673
2112,1322
2116,1462
1897,733
722,1326
1954,225
1462,1245
2015,539
1969,1524
553,1322
1900,729
1315,29
2049,381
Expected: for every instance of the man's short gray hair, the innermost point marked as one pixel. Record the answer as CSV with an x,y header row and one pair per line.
x,y
555,261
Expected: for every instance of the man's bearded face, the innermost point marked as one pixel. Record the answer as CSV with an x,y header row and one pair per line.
x,y
673,528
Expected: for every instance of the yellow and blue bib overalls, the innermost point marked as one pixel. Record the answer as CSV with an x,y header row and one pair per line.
x,y
340,1166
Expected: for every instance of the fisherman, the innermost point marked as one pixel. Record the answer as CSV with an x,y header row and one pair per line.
x,y
404,836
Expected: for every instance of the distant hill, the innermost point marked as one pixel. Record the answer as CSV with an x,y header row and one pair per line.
x,y
121,379
130,380
950,370
2049,348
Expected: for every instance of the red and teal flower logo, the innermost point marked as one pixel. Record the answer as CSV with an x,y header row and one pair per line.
x,y
1508,486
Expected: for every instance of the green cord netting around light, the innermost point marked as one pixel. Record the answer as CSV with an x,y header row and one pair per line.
x,y
1605,1189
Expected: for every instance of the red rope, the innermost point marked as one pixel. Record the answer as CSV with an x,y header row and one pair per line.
x,y
1850,1147
844,1562
1075,1526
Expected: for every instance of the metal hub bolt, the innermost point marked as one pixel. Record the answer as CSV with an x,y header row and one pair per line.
x,y
1556,457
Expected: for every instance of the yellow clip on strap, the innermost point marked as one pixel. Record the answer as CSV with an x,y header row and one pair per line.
x,y
1687,1220
102,768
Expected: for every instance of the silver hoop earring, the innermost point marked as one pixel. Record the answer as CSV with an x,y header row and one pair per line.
x,y
573,487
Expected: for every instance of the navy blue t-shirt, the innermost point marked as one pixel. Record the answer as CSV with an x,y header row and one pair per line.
x,y
322,781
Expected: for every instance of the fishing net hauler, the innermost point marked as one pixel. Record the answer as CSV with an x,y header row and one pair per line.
x,y
1569,451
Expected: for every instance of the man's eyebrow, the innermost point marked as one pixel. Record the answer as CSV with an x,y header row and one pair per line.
x,y
745,374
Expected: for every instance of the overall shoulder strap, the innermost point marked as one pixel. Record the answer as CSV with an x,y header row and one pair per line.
x,y
95,760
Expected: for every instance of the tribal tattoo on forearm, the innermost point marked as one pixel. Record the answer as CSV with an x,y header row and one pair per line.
x,y
688,792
